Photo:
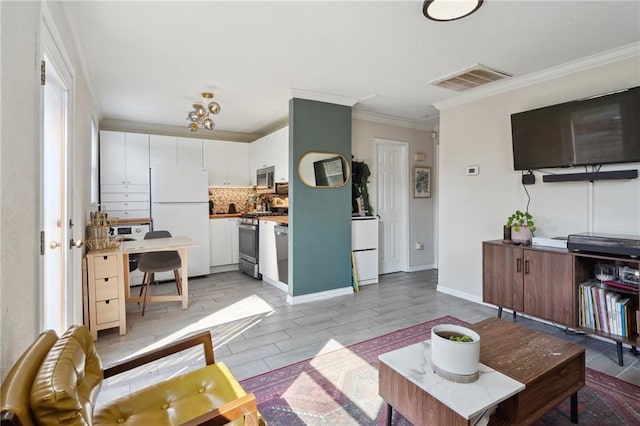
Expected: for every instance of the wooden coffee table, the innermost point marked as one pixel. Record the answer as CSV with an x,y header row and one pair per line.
x,y
549,368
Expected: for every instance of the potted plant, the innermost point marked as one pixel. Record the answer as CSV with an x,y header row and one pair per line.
x,y
522,227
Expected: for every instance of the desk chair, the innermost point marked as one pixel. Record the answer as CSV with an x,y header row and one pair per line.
x,y
158,261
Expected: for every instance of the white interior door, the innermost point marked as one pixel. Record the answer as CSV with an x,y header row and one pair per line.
x,y
392,204
57,294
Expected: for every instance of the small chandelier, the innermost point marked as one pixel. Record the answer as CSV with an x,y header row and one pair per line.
x,y
199,117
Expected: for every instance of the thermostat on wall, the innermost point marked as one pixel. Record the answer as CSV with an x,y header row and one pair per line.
x,y
473,170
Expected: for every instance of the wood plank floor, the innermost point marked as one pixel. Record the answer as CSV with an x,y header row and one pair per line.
x,y
255,330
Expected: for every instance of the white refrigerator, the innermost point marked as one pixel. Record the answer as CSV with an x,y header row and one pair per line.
x,y
180,205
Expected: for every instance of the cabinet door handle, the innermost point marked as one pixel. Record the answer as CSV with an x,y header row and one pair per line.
x,y
526,267
518,265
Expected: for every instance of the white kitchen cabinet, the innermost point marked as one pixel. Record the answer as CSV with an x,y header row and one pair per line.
x,y
280,154
267,260
364,245
226,162
235,240
189,152
271,150
124,158
163,151
126,201
238,164
214,159
223,243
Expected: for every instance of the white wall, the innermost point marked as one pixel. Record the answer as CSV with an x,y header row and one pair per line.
x,y
20,173
474,208
421,210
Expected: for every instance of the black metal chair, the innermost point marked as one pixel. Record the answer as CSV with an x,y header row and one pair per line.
x,y
158,261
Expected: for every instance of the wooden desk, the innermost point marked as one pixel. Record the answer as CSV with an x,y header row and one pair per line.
x,y
549,368
178,244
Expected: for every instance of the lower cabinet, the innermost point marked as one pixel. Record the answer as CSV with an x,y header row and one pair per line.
x,y
105,292
529,280
552,284
502,276
267,260
549,292
223,244
364,246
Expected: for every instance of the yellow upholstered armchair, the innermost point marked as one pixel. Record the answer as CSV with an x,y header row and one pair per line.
x,y
56,381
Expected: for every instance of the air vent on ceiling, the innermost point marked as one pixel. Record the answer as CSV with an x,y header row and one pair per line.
x,y
470,78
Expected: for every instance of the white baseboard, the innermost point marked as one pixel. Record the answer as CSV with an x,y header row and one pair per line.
x,y
321,295
460,294
277,284
421,268
224,268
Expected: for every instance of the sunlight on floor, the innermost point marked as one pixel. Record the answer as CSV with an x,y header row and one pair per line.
x,y
234,319
362,376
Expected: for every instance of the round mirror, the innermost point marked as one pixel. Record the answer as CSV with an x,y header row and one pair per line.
x,y
324,170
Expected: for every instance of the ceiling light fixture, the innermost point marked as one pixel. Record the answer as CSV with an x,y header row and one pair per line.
x,y
199,117
449,10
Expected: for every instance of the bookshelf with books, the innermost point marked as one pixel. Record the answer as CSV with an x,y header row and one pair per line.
x,y
607,298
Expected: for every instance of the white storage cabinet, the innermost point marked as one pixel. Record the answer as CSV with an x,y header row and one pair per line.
x,y
364,244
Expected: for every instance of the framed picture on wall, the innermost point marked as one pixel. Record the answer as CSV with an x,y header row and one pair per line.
x,y
421,182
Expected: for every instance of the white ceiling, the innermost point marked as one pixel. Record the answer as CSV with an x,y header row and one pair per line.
x,y
148,61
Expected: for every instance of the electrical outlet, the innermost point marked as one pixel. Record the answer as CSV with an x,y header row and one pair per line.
x,y
419,246
473,170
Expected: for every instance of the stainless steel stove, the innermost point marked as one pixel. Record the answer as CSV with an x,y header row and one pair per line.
x,y
252,218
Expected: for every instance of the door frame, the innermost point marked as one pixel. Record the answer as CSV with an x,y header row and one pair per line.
x,y
51,44
404,147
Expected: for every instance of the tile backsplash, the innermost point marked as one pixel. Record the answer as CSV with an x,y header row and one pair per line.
x,y
222,197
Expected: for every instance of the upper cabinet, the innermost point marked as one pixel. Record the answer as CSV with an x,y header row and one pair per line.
x,y
163,151
271,150
124,158
189,152
226,162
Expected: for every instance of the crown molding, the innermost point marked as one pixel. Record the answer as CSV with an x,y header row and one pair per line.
x,y
427,124
621,53
323,97
178,131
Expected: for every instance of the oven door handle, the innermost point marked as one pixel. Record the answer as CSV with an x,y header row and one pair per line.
x,y
249,227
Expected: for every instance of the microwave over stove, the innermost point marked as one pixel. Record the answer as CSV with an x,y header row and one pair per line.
x,y
265,180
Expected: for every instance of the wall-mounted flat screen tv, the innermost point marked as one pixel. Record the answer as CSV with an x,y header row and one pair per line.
x,y
594,131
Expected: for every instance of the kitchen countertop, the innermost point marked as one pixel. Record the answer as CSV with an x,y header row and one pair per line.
x,y
133,221
278,219
224,215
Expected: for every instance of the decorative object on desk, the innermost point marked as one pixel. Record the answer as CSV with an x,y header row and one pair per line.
x,y
359,193
340,387
455,360
522,227
98,237
421,182
506,234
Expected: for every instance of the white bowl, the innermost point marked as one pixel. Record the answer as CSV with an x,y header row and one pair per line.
x,y
459,359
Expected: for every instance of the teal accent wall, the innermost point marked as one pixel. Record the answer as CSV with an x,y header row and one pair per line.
x,y
319,218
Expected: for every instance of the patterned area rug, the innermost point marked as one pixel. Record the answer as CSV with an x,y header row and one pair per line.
x,y
341,388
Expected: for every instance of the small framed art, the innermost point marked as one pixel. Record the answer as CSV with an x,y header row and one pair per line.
x,y
421,182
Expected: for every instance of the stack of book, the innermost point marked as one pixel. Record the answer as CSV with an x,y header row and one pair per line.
x,y
606,310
